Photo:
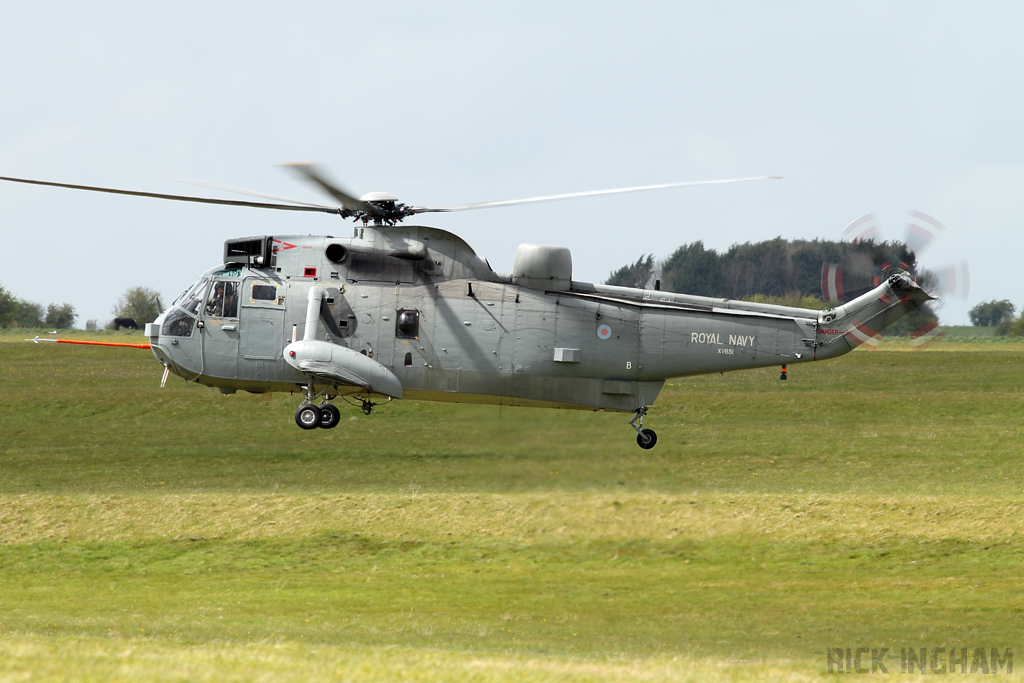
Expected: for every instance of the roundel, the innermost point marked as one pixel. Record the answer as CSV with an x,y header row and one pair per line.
x,y
604,332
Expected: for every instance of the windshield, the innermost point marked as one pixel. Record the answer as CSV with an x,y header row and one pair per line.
x,y
191,299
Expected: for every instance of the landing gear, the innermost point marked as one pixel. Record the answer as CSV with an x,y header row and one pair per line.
x,y
329,416
318,411
308,416
645,438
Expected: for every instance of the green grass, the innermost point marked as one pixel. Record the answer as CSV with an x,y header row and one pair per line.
x,y
971,331
178,534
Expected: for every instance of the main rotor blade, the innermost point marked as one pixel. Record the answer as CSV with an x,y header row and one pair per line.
x,y
574,195
251,193
176,197
310,173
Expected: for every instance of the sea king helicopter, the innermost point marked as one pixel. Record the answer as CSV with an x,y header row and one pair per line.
x,y
409,311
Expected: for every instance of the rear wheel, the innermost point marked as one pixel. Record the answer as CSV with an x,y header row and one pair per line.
x,y
329,416
308,416
646,438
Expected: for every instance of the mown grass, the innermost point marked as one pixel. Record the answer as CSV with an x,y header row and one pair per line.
x,y
177,534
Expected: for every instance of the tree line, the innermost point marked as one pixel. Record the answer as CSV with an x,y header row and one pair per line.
x,y
1000,314
139,303
780,271
789,272
772,268
16,312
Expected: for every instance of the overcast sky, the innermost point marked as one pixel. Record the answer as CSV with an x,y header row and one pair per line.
x,y
863,107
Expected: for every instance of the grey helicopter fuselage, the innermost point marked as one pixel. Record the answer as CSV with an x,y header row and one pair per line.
x,y
412,312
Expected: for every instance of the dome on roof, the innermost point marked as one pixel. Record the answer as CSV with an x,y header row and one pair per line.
x,y
378,197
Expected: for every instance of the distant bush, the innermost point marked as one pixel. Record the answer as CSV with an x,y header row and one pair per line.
x,y
30,314
1014,328
141,304
60,317
992,313
15,312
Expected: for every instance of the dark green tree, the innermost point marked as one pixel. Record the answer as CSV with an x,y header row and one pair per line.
x,y
139,303
992,313
1013,328
8,308
639,275
758,268
692,269
60,317
30,314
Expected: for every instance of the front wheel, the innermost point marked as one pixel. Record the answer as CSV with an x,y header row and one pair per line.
x,y
646,439
329,416
307,416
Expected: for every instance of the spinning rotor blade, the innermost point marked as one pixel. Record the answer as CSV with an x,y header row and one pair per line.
x,y
176,197
309,172
922,230
251,193
573,195
953,280
864,228
950,280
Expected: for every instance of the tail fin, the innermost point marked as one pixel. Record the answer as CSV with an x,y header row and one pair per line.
x,y
862,320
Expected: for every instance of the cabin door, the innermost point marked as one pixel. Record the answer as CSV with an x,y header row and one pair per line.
x,y
219,331
262,336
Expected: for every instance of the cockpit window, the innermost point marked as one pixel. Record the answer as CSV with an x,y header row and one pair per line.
x,y
178,323
191,299
223,300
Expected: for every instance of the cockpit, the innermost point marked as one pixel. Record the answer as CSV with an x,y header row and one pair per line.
x,y
219,295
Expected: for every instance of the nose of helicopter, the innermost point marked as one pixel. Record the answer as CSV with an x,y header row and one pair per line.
x,y
168,348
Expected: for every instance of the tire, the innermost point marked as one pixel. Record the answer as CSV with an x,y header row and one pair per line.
x,y
647,444
329,416
307,416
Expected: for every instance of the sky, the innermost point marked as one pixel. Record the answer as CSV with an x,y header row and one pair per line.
x,y
862,107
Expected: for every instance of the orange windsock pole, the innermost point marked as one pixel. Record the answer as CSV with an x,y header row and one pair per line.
x,y
89,343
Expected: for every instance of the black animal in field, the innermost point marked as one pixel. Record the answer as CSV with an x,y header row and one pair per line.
x,y
125,324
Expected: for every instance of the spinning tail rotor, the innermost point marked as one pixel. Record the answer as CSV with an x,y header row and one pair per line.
x,y
868,263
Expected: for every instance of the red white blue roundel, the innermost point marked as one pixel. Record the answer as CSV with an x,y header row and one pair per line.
x,y
604,332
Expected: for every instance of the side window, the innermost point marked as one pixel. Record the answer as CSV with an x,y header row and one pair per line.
x,y
223,300
263,293
407,324
177,324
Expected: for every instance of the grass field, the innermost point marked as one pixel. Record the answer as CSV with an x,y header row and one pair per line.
x,y
178,534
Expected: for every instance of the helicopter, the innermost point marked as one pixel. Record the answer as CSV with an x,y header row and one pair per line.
x,y
397,311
